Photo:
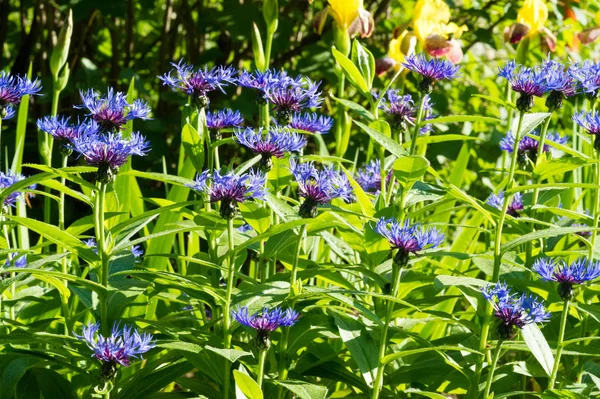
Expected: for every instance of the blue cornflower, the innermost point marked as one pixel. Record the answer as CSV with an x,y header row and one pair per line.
x,y
109,151
265,322
516,205
369,177
136,251
230,189
430,70
559,82
579,272
20,261
223,119
292,98
403,110
529,82
245,228
528,147
590,121
121,347
264,81
512,310
12,90
7,180
112,110
588,77
314,123
197,83
65,132
407,238
276,143
319,187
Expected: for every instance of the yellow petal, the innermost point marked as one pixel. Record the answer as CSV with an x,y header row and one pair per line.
x,y
534,14
344,12
402,46
430,18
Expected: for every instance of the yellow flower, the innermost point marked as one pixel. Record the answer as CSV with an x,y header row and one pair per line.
x,y
430,17
344,12
402,46
534,14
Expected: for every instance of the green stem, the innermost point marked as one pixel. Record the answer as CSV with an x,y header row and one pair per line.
x,y
595,212
47,156
64,262
543,133
417,129
104,257
488,384
0,142
559,344
294,275
378,384
265,120
268,46
262,356
13,287
227,305
341,115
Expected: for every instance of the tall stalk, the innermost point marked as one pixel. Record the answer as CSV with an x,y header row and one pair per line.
x,y
417,129
559,344
227,305
488,384
262,356
540,152
104,257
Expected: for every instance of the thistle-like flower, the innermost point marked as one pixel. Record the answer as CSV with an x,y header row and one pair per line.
x,y
513,311
528,147
136,251
587,76
515,206
16,261
293,98
112,110
197,83
65,132
262,82
369,177
579,272
109,152
230,189
223,119
12,90
590,121
529,82
123,345
265,322
319,187
314,123
8,179
276,143
407,238
559,82
403,111
430,70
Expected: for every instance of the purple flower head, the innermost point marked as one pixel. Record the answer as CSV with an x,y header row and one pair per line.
x,y
136,251
197,83
430,70
529,82
230,189
109,151
407,238
578,272
16,261
590,121
559,82
292,98
61,127
265,81
587,77
369,177
528,147
276,143
112,110
7,180
314,123
319,187
403,110
265,322
512,310
223,119
245,228
12,90
123,345
516,205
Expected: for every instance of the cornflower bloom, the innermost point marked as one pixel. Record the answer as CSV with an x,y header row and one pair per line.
x,y
403,111
223,119
512,311
262,82
198,83
123,345
529,82
590,121
8,179
65,132
20,261
292,98
587,76
528,147
319,187
313,123
136,251
230,189
112,110
276,143
516,205
12,90
559,82
407,238
108,152
578,272
431,71
265,322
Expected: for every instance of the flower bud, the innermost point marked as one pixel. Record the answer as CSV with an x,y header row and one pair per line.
x,y
257,49
60,52
271,14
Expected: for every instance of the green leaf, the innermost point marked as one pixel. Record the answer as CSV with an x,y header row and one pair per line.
x,y
383,140
194,145
352,73
464,118
540,349
546,233
553,167
530,122
52,385
496,100
231,355
247,385
440,349
304,390
365,61
259,217
409,169
352,106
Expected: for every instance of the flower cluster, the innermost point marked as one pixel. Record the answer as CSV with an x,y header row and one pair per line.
x,y
587,76
230,189
529,82
8,179
112,111
578,272
292,96
122,345
265,322
262,82
431,71
12,90
223,119
369,177
590,121
514,311
528,147
559,82
319,187
515,206
404,112
407,238
276,143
